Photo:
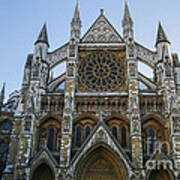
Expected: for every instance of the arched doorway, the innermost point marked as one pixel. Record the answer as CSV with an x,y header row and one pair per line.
x,y
100,164
43,172
160,175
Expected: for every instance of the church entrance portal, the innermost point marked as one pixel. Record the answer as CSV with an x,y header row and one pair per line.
x,y
43,172
160,175
101,164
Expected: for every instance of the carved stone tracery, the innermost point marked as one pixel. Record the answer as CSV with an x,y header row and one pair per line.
x,y
102,31
102,71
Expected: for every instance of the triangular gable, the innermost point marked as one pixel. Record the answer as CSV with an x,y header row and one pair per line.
x,y
44,155
102,32
101,135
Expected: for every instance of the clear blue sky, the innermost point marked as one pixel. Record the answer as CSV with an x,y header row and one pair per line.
x,y
21,21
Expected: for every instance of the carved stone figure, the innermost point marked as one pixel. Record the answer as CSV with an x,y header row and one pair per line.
x,y
132,69
70,70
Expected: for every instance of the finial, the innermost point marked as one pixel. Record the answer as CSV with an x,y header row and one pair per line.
x,y
127,17
43,37
161,35
102,11
77,13
76,23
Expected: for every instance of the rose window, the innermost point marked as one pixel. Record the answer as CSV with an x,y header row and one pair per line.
x,y
101,71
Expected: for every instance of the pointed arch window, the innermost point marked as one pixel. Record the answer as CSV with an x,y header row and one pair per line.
x,y
87,132
50,143
151,140
123,137
114,132
78,136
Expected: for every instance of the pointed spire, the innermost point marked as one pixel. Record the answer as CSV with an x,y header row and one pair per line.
x,y
77,12
43,37
76,23
2,95
127,17
161,36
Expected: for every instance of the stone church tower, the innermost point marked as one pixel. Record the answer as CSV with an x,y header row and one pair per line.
x,y
95,120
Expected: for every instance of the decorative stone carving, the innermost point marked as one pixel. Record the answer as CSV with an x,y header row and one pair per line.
x,y
131,48
66,124
36,67
70,70
132,69
102,32
176,124
72,48
135,124
101,136
102,71
65,144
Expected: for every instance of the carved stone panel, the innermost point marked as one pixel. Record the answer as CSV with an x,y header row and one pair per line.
x,y
71,70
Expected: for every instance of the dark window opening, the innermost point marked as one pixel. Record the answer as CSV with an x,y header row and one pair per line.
x,y
123,136
78,136
51,139
87,132
151,140
114,132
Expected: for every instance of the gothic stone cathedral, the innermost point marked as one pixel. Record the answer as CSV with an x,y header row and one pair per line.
x,y
102,125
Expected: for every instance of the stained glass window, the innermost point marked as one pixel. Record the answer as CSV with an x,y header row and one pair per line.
x,y
101,71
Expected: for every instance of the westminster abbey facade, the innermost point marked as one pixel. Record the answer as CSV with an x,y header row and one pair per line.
x,y
101,119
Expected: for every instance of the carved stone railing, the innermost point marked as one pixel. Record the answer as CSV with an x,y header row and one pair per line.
x,y
55,103
151,104
52,103
96,104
